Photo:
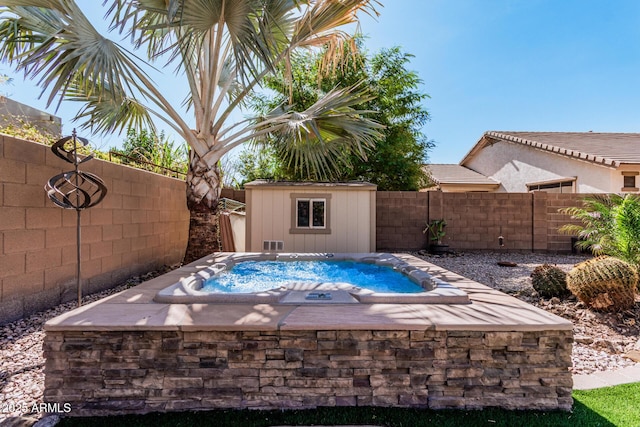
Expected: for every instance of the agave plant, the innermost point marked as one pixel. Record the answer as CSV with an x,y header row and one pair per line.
x,y
222,48
610,225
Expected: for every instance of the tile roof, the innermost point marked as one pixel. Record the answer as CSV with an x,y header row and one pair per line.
x,y
610,149
456,174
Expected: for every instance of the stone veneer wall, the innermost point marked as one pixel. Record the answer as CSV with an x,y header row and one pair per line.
x,y
116,372
140,225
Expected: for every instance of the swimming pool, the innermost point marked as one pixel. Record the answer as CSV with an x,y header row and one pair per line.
x,y
256,276
312,279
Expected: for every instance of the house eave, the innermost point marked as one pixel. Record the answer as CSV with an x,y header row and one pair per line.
x,y
482,142
490,137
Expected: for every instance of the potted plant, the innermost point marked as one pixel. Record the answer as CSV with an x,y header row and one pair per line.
x,y
436,233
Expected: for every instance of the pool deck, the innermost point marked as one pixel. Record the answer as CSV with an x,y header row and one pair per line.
x,y
134,309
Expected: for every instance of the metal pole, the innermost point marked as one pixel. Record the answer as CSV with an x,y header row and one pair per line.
x,y
59,192
78,235
78,259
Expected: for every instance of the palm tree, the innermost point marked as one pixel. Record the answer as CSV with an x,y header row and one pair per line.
x,y
222,48
610,225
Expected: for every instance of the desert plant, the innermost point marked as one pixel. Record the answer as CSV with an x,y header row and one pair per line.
x,y
610,225
549,281
436,230
604,283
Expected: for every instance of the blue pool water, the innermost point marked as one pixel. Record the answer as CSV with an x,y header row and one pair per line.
x,y
256,276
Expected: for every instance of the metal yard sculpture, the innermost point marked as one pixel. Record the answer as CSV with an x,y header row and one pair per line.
x,y
75,189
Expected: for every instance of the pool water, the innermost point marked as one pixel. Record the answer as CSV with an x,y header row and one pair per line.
x,y
257,276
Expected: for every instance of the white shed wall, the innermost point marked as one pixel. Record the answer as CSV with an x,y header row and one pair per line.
x,y
351,219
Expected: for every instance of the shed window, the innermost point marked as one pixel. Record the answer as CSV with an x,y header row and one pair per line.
x,y
310,213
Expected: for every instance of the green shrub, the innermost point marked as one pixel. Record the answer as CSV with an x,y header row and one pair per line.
x,y
604,283
549,281
22,129
610,226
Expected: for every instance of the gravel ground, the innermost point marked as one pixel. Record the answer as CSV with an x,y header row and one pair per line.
x,y
22,362
602,340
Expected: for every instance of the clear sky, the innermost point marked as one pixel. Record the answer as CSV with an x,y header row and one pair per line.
x,y
519,65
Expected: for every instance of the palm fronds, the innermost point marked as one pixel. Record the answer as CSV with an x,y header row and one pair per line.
x,y
222,50
318,142
610,225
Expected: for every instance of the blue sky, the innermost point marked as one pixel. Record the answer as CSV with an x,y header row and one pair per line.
x,y
521,65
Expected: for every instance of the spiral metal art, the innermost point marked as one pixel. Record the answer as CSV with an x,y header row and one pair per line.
x,y
75,189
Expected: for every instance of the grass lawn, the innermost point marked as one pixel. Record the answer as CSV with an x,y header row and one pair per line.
x,y
610,406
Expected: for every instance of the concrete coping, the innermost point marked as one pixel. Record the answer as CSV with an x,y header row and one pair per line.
x,y
134,309
188,289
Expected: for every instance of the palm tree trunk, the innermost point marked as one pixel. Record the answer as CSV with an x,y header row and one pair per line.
x,y
203,193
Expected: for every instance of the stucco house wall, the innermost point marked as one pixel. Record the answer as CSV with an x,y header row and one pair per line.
x,y
515,166
351,217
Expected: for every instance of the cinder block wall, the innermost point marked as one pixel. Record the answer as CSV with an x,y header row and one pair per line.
x,y
400,219
475,221
142,224
526,221
556,242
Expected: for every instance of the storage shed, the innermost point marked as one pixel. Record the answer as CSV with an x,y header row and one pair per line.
x,y
310,217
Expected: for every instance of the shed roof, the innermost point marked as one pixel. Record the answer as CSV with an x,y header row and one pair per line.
x,y
609,149
351,184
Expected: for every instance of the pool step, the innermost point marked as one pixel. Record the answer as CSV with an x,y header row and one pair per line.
x,y
315,297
